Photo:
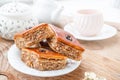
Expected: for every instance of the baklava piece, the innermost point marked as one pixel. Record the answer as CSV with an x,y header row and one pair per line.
x,y
43,59
64,43
31,37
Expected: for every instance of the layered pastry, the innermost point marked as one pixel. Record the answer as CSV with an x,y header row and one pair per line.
x,y
43,59
31,37
66,44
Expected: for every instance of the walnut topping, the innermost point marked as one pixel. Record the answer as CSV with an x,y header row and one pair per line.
x,y
68,37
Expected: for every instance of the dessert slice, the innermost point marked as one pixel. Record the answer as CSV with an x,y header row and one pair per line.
x,y
64,43
31,37
43,59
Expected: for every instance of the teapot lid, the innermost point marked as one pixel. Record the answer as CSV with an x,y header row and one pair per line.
x,y
14,8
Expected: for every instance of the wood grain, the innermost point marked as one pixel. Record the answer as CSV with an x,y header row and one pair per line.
x,y
102,65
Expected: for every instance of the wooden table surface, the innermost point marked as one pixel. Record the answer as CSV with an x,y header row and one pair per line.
x,y
101,57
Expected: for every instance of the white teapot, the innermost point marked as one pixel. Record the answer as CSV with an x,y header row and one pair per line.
x,y
47,11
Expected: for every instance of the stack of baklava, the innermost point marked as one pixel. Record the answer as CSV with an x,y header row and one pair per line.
x,y
46,47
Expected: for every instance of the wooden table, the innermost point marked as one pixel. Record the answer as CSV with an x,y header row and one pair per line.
x,y
101,57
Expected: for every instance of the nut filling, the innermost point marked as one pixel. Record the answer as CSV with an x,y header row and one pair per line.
x,y
35,61
65,49
31,38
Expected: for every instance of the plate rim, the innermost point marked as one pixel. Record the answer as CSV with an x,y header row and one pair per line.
x,y
91,39
9,60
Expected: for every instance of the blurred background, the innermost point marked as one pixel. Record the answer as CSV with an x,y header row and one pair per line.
x,y
44,9
109,8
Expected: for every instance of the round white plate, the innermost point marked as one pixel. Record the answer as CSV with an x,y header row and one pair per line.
x,y
15,61
106,32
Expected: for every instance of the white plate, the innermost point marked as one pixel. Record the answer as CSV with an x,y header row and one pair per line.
x,y
15,61
106,32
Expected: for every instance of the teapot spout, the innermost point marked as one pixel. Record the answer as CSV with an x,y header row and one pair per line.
x,y
56,14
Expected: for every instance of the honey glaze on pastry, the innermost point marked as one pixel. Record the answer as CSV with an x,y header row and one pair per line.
x,y
67,38
43,59
50,54
33,36
65,43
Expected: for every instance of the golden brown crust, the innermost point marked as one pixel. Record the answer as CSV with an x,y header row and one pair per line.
x,y
33,36
42,59
65,50
26,32
45,53
60,35
66,38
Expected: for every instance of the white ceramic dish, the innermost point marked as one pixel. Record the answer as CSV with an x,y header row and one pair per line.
x,y
106,32
15,61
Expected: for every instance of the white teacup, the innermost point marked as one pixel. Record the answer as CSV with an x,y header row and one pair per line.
x,y
88,22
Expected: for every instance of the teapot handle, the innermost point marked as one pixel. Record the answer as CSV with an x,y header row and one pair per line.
x,y
56,14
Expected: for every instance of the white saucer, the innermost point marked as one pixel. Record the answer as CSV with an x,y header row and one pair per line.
x,y
106,32
15,61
